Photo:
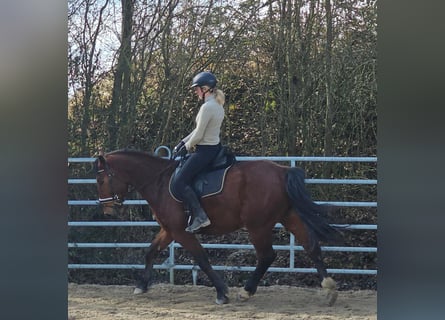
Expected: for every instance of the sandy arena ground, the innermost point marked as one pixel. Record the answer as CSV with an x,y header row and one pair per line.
x,y
179,302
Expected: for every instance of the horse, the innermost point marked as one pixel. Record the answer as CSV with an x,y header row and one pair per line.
x,y
256,196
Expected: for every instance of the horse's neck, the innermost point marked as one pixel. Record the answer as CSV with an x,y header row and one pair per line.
x,y
145,174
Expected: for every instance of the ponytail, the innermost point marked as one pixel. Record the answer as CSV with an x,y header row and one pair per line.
x,y
220,97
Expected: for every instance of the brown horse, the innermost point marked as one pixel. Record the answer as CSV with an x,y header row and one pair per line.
x,y
256,196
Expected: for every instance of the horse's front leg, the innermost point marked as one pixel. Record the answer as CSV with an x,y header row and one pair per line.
x,y
161,241
192,245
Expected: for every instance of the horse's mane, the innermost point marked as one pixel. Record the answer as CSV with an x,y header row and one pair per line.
x,y
143,155
133,152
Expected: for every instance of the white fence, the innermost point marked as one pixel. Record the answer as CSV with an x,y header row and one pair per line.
x,y
292,247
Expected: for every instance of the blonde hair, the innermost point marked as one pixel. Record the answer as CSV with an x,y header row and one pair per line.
x,y
220,97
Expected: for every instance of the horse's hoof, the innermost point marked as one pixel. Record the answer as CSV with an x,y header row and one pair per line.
x,y
329,285
332,297
223,300
243,295
139,291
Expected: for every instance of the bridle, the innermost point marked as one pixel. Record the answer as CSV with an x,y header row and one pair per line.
x,y
117,201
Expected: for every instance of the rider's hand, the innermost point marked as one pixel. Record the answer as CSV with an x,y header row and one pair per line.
x,y
178,148
181,152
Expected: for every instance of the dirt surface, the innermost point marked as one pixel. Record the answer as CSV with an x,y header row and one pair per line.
x,y
173,302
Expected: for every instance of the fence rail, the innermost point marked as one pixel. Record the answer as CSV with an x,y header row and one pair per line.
x,y
170,264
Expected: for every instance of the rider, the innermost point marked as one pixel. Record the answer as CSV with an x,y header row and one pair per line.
x,y
205,140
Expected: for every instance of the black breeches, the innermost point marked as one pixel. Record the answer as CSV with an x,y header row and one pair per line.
x,y
197,161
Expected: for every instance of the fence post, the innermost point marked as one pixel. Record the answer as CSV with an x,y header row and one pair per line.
x,y
292,251
171,261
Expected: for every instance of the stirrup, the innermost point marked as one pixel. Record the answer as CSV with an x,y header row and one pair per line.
x,y
192,229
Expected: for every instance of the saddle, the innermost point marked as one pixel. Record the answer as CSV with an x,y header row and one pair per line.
x,y
210,181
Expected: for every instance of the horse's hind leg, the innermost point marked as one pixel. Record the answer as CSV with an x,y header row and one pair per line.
x,y
262,241
161,241
192,245
312,248
327,283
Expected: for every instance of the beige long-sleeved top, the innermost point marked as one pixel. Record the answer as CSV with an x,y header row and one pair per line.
x,y
208,124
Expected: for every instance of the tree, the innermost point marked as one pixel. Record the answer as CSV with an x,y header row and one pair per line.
x,y
120,105
299,75
84,64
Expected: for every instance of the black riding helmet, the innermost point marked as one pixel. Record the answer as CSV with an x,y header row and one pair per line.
x,y
205,78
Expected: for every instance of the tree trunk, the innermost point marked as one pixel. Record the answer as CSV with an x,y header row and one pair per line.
x,y
117,123
328,143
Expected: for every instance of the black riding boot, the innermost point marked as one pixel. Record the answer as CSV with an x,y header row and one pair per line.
x,y
199,217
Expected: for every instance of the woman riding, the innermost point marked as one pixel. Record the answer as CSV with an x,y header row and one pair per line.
x,y
205,141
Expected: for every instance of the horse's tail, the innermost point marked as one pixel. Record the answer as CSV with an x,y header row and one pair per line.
x,y
312,214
